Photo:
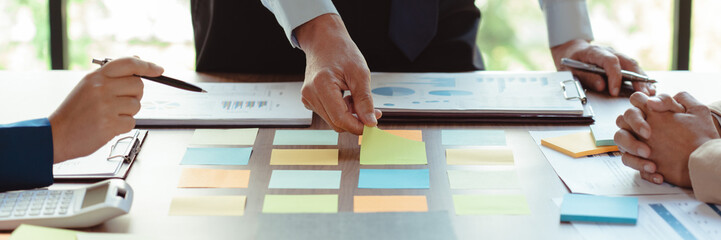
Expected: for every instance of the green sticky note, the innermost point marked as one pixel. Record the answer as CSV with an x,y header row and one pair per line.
x,y
603,134
473,137
30,232
242,136
491,205
488,179
382,148
305,137
321,203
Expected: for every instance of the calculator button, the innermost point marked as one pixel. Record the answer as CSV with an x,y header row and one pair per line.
x,y
34,212
49,211
12,195
5,214
63,210
19,213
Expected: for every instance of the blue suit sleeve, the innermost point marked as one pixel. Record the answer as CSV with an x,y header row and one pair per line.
x,y
26,155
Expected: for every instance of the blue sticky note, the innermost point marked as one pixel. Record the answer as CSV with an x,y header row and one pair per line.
x,y
590,208
394,178
217,156
305,137
474,137
305,179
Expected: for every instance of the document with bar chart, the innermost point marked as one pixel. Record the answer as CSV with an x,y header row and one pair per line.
x,y
224,104
504,96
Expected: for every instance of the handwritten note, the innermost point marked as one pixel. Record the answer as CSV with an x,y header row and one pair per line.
x,y
382,148
213,178
305,137
365,204
304,157
484,156
321,203
491,205
243,136
216,156
208,206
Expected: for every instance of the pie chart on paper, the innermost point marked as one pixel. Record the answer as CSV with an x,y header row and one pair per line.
x,y
393,91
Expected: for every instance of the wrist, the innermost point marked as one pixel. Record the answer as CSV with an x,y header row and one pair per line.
x,y
320,30
56,132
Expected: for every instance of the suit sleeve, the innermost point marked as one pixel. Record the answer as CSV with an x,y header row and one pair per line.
x,y
26,155
704,165
566,20
293,13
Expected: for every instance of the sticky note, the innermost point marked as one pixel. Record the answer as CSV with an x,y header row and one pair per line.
x,y
305,179
484,156
487,179
213,178
474,137
382,148
208,206
31,232
216,156
491,205
365,204
242,136
305,137
590,208
576,145
603,134
321,203
415,135
304,157
394,178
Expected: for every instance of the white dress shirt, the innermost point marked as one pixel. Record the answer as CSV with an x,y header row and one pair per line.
x,y
565,19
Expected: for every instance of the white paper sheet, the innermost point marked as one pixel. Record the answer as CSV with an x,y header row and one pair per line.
x,y
602,174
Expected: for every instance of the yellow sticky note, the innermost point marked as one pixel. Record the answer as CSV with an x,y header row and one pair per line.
x,y
213,178
365,204
31,232
208,206
382,148
484,156
304,157
576,145
320,203
415,135
243,136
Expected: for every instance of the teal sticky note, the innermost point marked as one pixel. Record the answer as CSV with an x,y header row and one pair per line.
x,y
394,178
305,137
591,208
474,137
603,134
305,179
217,156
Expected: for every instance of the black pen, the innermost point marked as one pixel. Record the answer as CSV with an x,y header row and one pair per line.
x,y
625,75
160,79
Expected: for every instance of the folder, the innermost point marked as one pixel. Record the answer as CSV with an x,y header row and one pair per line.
x,y
113,160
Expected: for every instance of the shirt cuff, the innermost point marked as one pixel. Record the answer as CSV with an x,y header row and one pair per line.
x,y
566,20
293,13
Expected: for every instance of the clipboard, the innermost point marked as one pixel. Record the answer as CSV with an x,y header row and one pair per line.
x,y
113,160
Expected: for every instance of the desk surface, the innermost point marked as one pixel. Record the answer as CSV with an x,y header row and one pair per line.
x,y
156,172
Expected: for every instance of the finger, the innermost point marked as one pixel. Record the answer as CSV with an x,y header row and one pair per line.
x,y
378,113
639,100
316,106
664,102
629,64
630,145
636,119
640,164
689,102
359,85
652,177
339,114
126,87
609,62
127,106
128,66
590,80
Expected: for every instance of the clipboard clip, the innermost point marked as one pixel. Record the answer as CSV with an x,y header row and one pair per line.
x,y
131,150
577,85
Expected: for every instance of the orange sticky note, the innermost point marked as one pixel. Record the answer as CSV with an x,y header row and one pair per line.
x,y
213,178
576,145
304,157
415,135
482,156
365,204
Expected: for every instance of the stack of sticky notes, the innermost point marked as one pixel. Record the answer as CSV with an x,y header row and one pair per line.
x,y
603,134
590,208
576,145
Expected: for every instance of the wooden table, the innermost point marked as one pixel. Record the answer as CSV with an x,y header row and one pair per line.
x,y
156,172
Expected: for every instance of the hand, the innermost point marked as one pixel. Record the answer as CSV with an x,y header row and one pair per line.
x,y
607,58
99,108
334,64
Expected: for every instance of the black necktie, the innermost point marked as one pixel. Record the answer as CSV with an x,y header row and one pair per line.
x,y
413,24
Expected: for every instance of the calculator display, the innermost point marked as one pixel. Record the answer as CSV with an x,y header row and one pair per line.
x,y
95,195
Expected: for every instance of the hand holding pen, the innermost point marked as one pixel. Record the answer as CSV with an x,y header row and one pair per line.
x,y
160,79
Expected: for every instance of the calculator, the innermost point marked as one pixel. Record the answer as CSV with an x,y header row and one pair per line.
x,y
75,208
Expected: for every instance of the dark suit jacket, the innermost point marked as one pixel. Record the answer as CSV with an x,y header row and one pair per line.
x,y
26,155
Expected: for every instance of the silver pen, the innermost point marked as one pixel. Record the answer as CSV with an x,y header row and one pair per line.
x,y
626,75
